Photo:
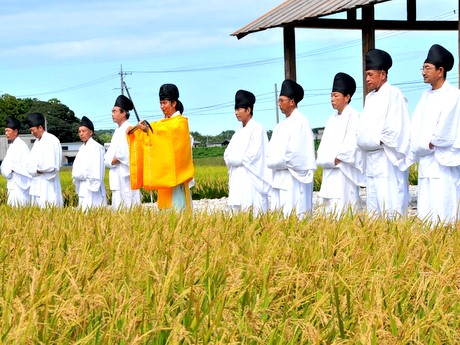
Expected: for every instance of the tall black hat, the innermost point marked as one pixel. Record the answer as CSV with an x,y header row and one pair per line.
x,y
35,120
13,123
378,59
440,57
124,103
292,90
169,92
244,99
87,123
344,83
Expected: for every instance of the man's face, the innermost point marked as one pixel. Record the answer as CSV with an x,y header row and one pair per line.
x,y
375,79
243,115
11,134
431,75
37,131
118,115
168,107
286,105
339,101
84,133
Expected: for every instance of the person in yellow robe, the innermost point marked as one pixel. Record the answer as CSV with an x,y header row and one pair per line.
x,y
167,153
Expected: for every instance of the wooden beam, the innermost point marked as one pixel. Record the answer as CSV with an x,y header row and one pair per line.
x,y
368,40
289,53
403,25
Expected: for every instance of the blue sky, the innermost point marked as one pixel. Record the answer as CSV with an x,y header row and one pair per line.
x,y
73,51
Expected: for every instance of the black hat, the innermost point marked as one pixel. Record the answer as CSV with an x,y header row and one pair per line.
x,y
124,103
292,90
35,120
378,59
180,107
87,123
344,83
244,99
169,92
440,57
13,123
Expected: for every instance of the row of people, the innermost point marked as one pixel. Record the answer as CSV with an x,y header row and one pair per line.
x,y
373,149
33,175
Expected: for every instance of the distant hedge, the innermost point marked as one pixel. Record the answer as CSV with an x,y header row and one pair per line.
x,y
207,152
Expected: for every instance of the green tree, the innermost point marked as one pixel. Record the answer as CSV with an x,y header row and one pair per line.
x,y
104,136
61,121
14,107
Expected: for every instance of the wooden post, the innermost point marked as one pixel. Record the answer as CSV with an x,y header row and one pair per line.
x,y
411,11
368,39
289,53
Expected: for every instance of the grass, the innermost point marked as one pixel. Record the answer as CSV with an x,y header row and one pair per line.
x,y
143,277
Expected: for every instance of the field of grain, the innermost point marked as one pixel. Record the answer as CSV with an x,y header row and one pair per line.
x,y
148,277
144,277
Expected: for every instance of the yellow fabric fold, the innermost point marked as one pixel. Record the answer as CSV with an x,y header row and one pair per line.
x,y
168,154
136,158
162,159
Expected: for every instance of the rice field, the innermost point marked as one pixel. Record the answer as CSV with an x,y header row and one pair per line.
x,y
143,277
148,277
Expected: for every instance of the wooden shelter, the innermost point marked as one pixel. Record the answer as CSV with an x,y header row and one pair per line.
x,y
293,14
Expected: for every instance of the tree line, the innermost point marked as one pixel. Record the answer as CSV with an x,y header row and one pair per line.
x,y
63,123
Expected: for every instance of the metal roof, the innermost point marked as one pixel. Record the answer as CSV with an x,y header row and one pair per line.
x,y
297,10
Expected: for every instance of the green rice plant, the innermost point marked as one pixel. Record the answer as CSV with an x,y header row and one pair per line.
x,y
211,182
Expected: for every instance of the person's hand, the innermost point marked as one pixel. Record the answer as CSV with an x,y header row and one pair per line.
x,y
336,161
431,146
142,126
115,161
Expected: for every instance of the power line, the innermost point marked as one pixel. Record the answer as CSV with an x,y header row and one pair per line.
x,y
75,87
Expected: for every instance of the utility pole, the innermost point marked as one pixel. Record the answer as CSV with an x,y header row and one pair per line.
x,y
122,82
276,104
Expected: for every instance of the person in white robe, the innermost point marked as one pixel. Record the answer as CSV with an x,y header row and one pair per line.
x,y
383,136
14,165
338,152
435,140
116,159
249,179
291,156
44,163
88,169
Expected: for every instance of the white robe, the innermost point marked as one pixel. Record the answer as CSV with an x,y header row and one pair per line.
x,y
340,183
249,177
291,157
88,175
385,119
119,180
14,169
46,157
436,120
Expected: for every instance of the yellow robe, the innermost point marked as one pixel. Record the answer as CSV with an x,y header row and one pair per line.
x,y
165,160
